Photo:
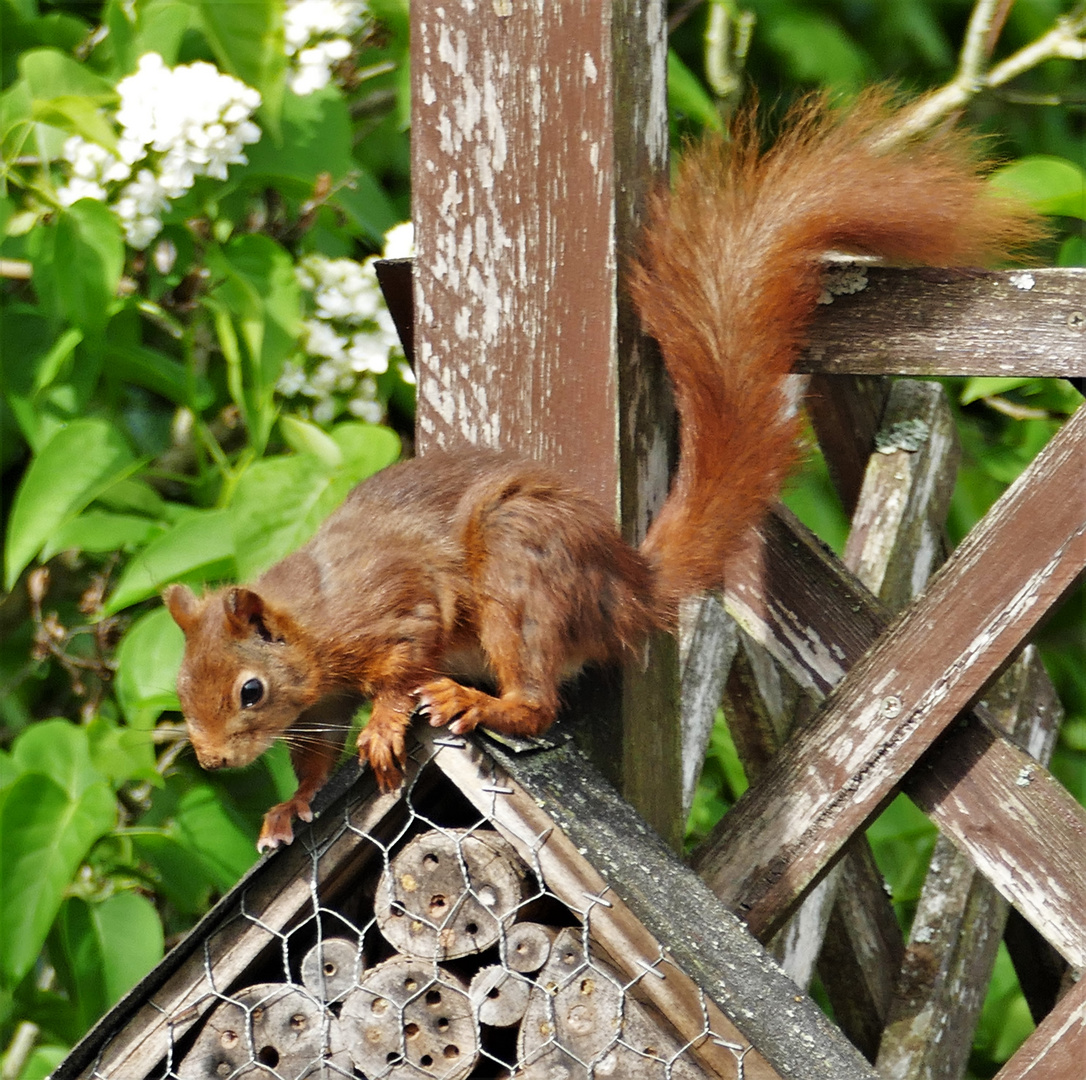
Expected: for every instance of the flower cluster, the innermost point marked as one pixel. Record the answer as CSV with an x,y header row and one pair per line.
x,y
317,38
349,338
175,124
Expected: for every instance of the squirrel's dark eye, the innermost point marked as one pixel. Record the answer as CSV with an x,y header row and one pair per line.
x,y
251,692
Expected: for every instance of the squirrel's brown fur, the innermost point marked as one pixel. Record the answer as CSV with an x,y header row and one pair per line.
x,y
479,563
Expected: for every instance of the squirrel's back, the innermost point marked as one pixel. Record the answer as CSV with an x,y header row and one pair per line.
x,y
728,279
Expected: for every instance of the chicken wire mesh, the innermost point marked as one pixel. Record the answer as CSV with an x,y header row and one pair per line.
x,y
419,935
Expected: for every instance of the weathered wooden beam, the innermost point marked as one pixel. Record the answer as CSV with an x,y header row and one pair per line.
x,y
952,322
1026,553
1057,1048
537,132
960,917
893,545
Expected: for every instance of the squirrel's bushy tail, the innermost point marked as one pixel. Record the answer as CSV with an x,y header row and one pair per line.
x,y
728,278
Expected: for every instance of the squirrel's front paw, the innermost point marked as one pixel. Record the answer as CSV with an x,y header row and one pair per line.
x,y
445,701
385,752
277,829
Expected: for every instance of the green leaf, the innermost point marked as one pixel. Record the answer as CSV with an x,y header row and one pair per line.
x,y
148,660
61,750
687,95
16,127
247,39
99,531
44,357
815,48
102,950
279,503
367,448
304,437
121,754
158,372
78,116
51,73
199,547
78,260
257,309
46,835
1051,185
982,386
80,461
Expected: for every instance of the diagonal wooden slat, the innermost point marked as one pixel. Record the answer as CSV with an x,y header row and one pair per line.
x,y
1057,1049
834,776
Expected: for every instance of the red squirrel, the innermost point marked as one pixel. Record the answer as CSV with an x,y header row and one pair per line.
x,y
477,563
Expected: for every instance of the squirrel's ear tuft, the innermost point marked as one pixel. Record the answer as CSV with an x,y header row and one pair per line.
x,y
183,605
246,612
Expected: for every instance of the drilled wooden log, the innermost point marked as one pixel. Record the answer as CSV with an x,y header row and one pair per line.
x,y
498,996
581,1022
410,1018
270,1029
331,968
527,946
448,894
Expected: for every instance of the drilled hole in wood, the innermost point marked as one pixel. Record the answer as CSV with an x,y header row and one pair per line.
x,y
411,1031
438,904
430,859
268,1055
443,1024
329,968
228,1039
297,1021
471,928
451,1052
426,1061
433,997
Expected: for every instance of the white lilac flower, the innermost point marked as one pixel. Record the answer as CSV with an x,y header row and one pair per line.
x,y
349,338
400,241
317,33
92,167
176,124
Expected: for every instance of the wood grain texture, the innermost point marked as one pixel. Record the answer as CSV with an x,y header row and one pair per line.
x,y
952,322
526,198
834,776
1057,1049
538,131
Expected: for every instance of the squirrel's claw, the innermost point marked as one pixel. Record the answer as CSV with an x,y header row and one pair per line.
x,y
277,829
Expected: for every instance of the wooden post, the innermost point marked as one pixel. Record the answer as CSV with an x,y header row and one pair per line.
x,y
537,130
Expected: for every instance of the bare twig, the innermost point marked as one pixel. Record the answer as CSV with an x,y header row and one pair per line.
x,y
1066,40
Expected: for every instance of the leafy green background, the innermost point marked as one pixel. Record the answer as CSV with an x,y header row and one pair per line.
x,y
142,440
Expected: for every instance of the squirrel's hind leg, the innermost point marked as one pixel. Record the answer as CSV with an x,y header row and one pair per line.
x,y
522,642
